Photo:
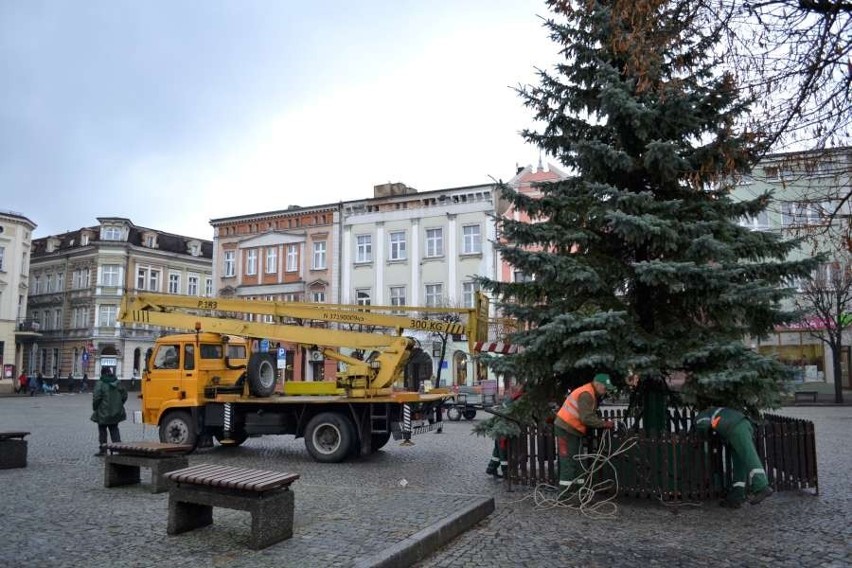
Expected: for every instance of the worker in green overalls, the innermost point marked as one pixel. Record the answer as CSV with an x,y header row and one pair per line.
x,y
736,430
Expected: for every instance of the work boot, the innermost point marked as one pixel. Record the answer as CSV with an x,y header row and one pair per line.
x,y
756,498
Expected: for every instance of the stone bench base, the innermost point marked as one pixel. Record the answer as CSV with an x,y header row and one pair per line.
x,y
805,394
124,470
191,507
13,453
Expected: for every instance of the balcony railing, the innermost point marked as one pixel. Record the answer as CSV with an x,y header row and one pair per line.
x,y
29,325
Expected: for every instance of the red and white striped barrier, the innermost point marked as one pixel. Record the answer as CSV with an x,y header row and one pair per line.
x,y
494,347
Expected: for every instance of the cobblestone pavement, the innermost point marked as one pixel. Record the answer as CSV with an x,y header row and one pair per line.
x,y
789,529
56,511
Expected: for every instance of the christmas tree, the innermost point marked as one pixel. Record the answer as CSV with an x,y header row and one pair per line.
x,y
636,260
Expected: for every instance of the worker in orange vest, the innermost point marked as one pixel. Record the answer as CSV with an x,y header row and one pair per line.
x,y
572,422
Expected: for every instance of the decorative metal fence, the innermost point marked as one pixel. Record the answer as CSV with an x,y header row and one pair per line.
x,y
675,464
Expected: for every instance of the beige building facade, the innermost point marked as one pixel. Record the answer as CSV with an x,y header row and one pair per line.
x,y
16,233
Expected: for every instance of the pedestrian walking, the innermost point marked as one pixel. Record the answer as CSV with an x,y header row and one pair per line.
x,y
108,401
34,384
84,383
573,420
22,384
749,478
70,382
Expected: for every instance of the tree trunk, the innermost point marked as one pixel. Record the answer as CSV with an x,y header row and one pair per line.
x,y
836,353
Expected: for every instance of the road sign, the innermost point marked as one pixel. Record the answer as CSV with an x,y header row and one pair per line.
x,y
282,358
264,346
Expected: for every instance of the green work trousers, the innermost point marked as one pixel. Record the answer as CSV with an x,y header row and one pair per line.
x,y
498,457
748,469
567,448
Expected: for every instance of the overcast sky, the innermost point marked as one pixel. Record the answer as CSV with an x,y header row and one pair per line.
x,y
172,113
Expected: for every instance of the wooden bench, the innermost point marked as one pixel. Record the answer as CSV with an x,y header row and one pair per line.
x,y
812,394
124,460
13,449
194,492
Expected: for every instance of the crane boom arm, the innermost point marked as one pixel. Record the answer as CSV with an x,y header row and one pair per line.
x,y
475,328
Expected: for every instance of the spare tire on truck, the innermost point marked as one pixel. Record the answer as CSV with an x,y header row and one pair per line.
x,y
262,374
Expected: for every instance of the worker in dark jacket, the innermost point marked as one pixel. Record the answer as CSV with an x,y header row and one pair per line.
x,y
736,430
573,420
108,400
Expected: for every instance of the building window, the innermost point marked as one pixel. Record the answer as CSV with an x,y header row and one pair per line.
x,y
318,297
2,259
469,294
397,245
49,285
111,275
434,295
271,260
797,214
80,278
760,222
434,242
362,297
111,233
251,262
106,316
80,318
472,241
364,248
397,295
520,276
292,258
174,283
151,241
319,255
208,287
36,285
57,319
148,279
192,285
230,263
60,282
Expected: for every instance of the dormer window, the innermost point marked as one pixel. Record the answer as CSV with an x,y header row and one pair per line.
x,y
111,233
151,240
84,239
52,244
194,248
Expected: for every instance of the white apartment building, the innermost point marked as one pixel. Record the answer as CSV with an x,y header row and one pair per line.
x,y
405,248
15,248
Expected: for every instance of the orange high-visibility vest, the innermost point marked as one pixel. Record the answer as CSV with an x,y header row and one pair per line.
x,y
570,411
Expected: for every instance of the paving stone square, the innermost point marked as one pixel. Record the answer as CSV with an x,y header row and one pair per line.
x,y
56,511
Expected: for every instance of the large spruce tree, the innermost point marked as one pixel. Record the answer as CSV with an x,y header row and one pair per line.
x,y
636,260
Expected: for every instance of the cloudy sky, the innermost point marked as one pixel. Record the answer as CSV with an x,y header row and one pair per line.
x,y
172,113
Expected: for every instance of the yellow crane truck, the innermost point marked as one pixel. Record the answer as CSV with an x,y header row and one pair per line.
x,y
218,382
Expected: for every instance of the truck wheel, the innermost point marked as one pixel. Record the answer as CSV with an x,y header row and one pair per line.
x,y
329,437
454,413
177,428
261,374
469,413
378,441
